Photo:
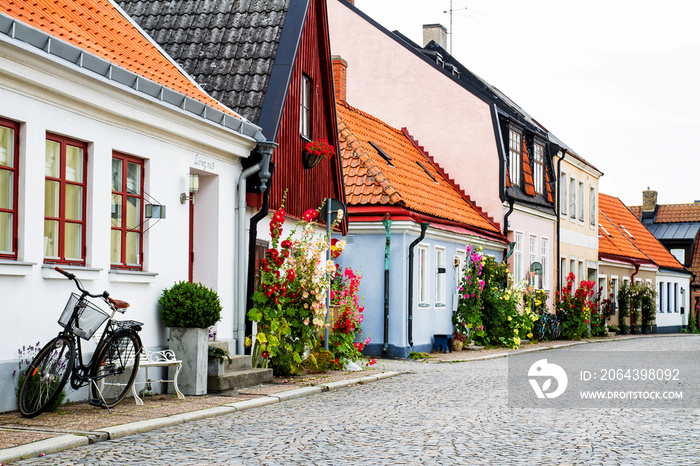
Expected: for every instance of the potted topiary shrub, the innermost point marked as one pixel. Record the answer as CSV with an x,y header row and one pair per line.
x,y
189,309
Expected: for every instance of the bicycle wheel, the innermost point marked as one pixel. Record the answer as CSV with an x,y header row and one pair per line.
x,y
555,329
539,329
46,376
115,368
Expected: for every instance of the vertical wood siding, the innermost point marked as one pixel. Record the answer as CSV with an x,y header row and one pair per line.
x,y
307,188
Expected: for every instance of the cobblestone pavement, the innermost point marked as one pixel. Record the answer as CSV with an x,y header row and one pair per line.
x,y
452,413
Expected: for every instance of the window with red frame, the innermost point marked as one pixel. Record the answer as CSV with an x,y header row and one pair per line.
x,y
127,212
9,162
65,200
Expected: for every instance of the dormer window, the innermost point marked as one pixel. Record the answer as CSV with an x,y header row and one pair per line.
x,y
439,60
455,71
514,165
538,172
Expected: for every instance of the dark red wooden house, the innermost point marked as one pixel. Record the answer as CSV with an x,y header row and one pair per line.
x,y
270,61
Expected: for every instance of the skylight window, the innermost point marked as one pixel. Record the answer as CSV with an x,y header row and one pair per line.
x,y
628,233
427,172
604,230
381,152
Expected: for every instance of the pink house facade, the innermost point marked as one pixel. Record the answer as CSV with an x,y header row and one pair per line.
x,y
494,150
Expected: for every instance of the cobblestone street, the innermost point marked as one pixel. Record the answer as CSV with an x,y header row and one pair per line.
x,y
437,413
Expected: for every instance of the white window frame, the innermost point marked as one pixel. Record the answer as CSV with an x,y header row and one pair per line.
x,y
593,212
544,260
440,278
675,297
661,297
572,198
515,147
538,164
563,196
533,249
305,113
423,285
581,271
581,202
518,236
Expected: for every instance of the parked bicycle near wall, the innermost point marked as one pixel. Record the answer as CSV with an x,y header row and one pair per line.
x,y
548,326
111,371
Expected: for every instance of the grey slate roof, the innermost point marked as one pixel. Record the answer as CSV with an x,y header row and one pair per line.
x,y
665,231
227,46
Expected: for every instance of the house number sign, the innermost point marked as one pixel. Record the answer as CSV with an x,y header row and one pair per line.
x,y
203,163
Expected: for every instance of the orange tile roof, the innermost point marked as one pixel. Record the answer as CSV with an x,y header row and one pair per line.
x,y
98,27
626,236
673,213
372,180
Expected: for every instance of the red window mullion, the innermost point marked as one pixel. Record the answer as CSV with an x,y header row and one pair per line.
x,y
14,210
62,186
124,197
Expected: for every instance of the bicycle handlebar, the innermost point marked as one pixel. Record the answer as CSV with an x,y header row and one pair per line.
x,y
71,276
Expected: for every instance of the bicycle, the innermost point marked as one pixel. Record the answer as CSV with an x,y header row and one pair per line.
x,y
112,369
548,326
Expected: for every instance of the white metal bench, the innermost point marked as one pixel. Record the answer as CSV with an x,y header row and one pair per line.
x,y
163,358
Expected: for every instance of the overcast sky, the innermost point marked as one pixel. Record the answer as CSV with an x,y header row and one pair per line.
x,y
617,80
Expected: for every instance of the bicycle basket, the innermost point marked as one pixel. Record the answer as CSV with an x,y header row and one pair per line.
x,y
88,317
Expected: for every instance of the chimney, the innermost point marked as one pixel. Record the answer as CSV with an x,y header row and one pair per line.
x,y
436,32
649,200
340,77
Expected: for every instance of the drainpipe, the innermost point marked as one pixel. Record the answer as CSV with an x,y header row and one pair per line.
x,y
511,203
558,213
423,228
266,148
252,236
387,249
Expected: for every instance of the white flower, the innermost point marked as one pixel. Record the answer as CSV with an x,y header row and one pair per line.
x,y
340,214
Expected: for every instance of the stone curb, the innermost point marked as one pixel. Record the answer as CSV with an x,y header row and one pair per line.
x,y
296,393
254,403
535,350
42,447
66,442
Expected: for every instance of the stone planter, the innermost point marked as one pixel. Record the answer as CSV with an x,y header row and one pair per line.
x,y
457,345
191,346
216,367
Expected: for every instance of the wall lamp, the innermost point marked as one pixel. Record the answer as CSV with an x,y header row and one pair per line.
x,y
191,190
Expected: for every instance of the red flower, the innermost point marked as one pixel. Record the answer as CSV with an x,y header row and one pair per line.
x,y
286,244
291,275
310,215
265,354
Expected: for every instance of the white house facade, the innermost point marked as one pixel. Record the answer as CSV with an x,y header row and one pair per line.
x,y
82,157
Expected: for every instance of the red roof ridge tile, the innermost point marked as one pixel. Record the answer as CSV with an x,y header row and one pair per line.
x,y
456,185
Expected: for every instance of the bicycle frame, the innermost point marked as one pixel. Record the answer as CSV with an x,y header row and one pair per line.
x,y
80,371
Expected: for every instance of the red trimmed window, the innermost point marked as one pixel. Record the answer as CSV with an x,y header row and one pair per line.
x,y
65,200
9,171
127,212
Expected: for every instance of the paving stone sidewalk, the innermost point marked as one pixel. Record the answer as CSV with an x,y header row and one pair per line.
x,y
90,424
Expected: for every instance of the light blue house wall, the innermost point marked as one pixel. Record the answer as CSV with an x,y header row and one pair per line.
x,y
364,252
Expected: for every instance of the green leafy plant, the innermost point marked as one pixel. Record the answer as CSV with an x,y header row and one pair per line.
x,y
612,328
416,355
219,353
26,356
646,296
290,302
191,305
624,301
575,306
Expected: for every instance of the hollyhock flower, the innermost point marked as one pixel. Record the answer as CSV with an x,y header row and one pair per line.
x,y
265,354
310,214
